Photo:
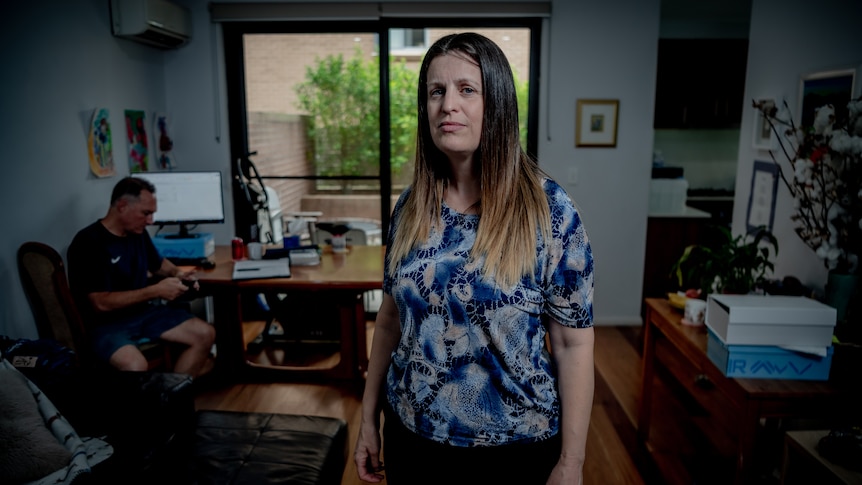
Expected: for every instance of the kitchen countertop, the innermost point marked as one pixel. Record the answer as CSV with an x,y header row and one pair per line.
x,y
710,198
688,212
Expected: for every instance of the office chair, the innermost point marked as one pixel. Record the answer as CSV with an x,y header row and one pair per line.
x,y
46,285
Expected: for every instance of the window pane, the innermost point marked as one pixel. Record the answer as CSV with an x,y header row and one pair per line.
x,y
312,105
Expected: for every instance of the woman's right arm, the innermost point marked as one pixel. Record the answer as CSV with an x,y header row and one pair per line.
x,y
387,332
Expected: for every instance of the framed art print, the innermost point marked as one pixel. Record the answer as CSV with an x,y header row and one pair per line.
x,y
822,88
596,122
761,199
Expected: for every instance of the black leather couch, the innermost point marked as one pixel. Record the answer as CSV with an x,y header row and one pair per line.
x,y
258,448
159,438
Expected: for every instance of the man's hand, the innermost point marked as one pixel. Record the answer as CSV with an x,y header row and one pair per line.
x,y
171,288
189,278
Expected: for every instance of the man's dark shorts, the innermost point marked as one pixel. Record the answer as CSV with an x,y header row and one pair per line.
x,y
139,329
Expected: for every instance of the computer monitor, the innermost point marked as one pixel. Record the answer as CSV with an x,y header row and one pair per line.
x,y
187,198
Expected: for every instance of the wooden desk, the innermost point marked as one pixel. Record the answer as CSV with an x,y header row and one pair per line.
x,y
345,277
749,399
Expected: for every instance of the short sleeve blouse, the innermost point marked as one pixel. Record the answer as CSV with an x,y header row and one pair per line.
x,y
471,367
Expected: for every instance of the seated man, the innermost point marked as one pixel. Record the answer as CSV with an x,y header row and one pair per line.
x,y
113,272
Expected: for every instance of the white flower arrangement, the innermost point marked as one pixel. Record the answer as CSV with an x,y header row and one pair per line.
x,y
826,183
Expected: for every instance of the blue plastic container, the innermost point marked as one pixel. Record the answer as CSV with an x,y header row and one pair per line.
x,y
767,362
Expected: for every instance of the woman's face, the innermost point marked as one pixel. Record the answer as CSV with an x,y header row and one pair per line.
x,y
455,105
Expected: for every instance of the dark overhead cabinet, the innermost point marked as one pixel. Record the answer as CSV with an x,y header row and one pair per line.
x,y
700,83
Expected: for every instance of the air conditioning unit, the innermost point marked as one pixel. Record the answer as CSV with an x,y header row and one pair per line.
x,y
157,23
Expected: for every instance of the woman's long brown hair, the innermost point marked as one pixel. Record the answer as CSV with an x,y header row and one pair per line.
x,y
513,206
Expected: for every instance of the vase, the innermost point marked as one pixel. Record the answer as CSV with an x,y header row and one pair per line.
x,y
842,293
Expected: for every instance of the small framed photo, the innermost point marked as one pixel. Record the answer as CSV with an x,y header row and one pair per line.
x,y
822,88
763,137
761,199
596,122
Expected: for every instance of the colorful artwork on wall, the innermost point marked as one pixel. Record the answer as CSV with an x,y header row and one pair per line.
x,y
99,145
164,142
136,135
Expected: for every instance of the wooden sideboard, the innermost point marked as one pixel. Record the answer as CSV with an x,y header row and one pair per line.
x,y
747,400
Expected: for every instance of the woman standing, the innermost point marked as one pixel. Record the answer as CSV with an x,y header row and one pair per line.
x,y
487,256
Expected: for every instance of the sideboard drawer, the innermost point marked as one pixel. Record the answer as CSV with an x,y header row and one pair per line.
x,y
697,385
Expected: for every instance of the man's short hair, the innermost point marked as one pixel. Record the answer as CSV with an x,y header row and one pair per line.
x,y
132,187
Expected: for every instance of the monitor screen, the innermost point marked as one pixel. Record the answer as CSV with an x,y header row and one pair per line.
x,y
187,197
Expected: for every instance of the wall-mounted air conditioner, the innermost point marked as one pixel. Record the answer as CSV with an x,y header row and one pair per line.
x,y
154,22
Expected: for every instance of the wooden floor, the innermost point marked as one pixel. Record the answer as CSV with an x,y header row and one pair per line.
x,y
613,456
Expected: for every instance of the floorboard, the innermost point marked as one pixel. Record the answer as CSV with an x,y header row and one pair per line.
x,y
680,454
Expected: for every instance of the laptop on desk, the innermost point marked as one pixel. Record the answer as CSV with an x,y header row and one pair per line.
x,y
249,269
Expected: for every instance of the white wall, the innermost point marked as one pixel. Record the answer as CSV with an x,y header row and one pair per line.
x,y
61,61
791,38
605,50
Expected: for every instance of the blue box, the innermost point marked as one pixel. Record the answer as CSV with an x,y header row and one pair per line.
x,y
201,245
766,361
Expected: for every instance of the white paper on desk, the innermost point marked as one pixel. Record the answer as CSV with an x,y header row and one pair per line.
x,y
249,269
803,349
304,257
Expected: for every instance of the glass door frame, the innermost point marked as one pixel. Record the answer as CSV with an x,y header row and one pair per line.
x,y
233,33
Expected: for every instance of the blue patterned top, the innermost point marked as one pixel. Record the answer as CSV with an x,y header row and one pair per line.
x,y
471,367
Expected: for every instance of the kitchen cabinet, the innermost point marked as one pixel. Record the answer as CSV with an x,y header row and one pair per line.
x,y
667,237
700,83
719,207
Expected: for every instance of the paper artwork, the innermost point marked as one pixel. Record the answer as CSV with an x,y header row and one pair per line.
x,y
99,146
164,142
136,135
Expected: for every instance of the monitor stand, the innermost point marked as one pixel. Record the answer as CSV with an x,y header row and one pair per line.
x,y
183,234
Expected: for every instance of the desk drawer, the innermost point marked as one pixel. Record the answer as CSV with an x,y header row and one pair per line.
x,y
709,401
689,374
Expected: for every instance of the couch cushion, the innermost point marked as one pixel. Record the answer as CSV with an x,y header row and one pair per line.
x,y
260,448
28,449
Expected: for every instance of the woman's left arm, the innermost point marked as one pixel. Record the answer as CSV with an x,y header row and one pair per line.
x,y
572,351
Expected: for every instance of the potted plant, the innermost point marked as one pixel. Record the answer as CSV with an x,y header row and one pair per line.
x,y
727,264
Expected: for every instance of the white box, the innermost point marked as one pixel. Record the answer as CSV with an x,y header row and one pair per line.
x,y
770,320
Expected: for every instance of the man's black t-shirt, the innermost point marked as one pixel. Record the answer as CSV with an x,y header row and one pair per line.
x,y
101,261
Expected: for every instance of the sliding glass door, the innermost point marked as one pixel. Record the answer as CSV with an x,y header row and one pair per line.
x,y
327,111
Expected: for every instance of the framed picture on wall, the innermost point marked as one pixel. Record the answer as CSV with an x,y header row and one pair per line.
x,y
822,88
596,123
763,137
761,199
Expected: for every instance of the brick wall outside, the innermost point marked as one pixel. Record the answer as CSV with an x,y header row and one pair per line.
x,y
281,147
